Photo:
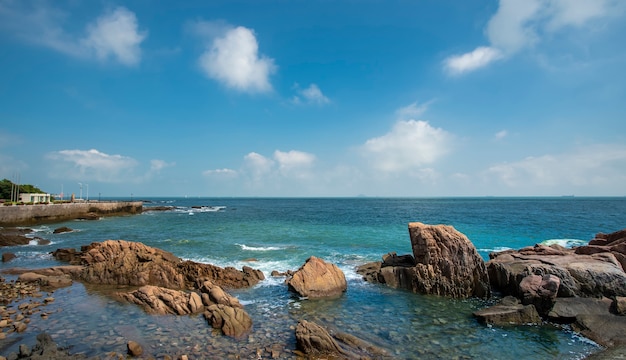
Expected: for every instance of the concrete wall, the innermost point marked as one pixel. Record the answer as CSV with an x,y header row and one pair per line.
x,y
39,213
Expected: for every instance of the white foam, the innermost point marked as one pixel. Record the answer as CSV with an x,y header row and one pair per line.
x,y
258,248
567,243
496,249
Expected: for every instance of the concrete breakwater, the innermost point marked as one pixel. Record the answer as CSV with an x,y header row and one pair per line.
x,y
39,213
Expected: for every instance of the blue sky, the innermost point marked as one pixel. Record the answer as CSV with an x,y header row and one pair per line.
x,y
314,98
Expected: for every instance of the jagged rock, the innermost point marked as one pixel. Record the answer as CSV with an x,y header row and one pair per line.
x,y
213,294
509,312
370,271
161,301
233,321
14,236
317,279
119,262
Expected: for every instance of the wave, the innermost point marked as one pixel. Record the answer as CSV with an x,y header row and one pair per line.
x,y
259,248
495,249
567,243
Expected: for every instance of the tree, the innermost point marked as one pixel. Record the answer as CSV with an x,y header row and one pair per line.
x,y
7,187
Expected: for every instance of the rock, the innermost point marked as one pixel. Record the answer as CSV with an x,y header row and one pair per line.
x,y
618,307
314,340
595,275
119,262
370,272
45,349
134,349
14,236
540,291
318,279
8,256
88,216
161,301
447,263
605,329
566,310
62,230
318,342
234,322
213,294
509,312
392,259
53,281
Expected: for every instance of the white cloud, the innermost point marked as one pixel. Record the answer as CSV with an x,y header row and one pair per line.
x,y
310,95
480,57
294,163
501,134
232,57
258,165
91,165
520,24
409,145
223,173
413,110
158,165
115,34
590,168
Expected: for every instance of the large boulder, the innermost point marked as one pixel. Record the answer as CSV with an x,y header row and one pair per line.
x,y
318,279
444,262
586,275
509,312
447,263
120,262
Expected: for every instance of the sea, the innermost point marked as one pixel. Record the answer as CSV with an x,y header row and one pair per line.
x,y
280,234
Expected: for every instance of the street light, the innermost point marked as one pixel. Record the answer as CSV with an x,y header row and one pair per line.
x,y
87,185
81,190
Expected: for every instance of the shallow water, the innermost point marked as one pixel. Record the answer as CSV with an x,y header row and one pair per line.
x,y
279,234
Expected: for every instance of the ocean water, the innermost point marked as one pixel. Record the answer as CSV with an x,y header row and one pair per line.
x,y
280,234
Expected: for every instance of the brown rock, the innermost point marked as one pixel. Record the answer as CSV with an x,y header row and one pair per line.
x,y
134,349
566,310
318,279
234,322
605,329
540,291
313,339
618,306
509,312
161,301
6,257
447,263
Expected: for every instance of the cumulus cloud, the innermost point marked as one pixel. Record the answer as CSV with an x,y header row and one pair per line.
x,y
222,173
116,34
520,24
232,57
113,35
310,95
591,168
91,165
408,146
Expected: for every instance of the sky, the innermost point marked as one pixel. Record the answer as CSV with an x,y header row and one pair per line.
x,y
319,98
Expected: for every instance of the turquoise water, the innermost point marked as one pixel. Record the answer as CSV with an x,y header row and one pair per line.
x,y
280,234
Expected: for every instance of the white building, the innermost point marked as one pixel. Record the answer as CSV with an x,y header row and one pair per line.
x,y
35,198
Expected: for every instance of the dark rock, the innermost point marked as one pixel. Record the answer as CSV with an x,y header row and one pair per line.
x,y
618,307
6,257
14,236
566,310
392,259
317,279
61,230
605,329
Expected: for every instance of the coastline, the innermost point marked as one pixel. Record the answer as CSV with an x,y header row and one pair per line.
x,y
17,215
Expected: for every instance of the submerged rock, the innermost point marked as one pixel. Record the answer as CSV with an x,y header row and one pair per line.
x,y
317,279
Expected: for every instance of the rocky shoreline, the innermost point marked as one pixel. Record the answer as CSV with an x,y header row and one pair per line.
x,y
584,287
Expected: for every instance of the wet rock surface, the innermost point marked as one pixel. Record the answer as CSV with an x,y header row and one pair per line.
x,y
318,279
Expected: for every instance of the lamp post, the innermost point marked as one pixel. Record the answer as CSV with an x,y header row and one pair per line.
x,y
87,185
81,190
